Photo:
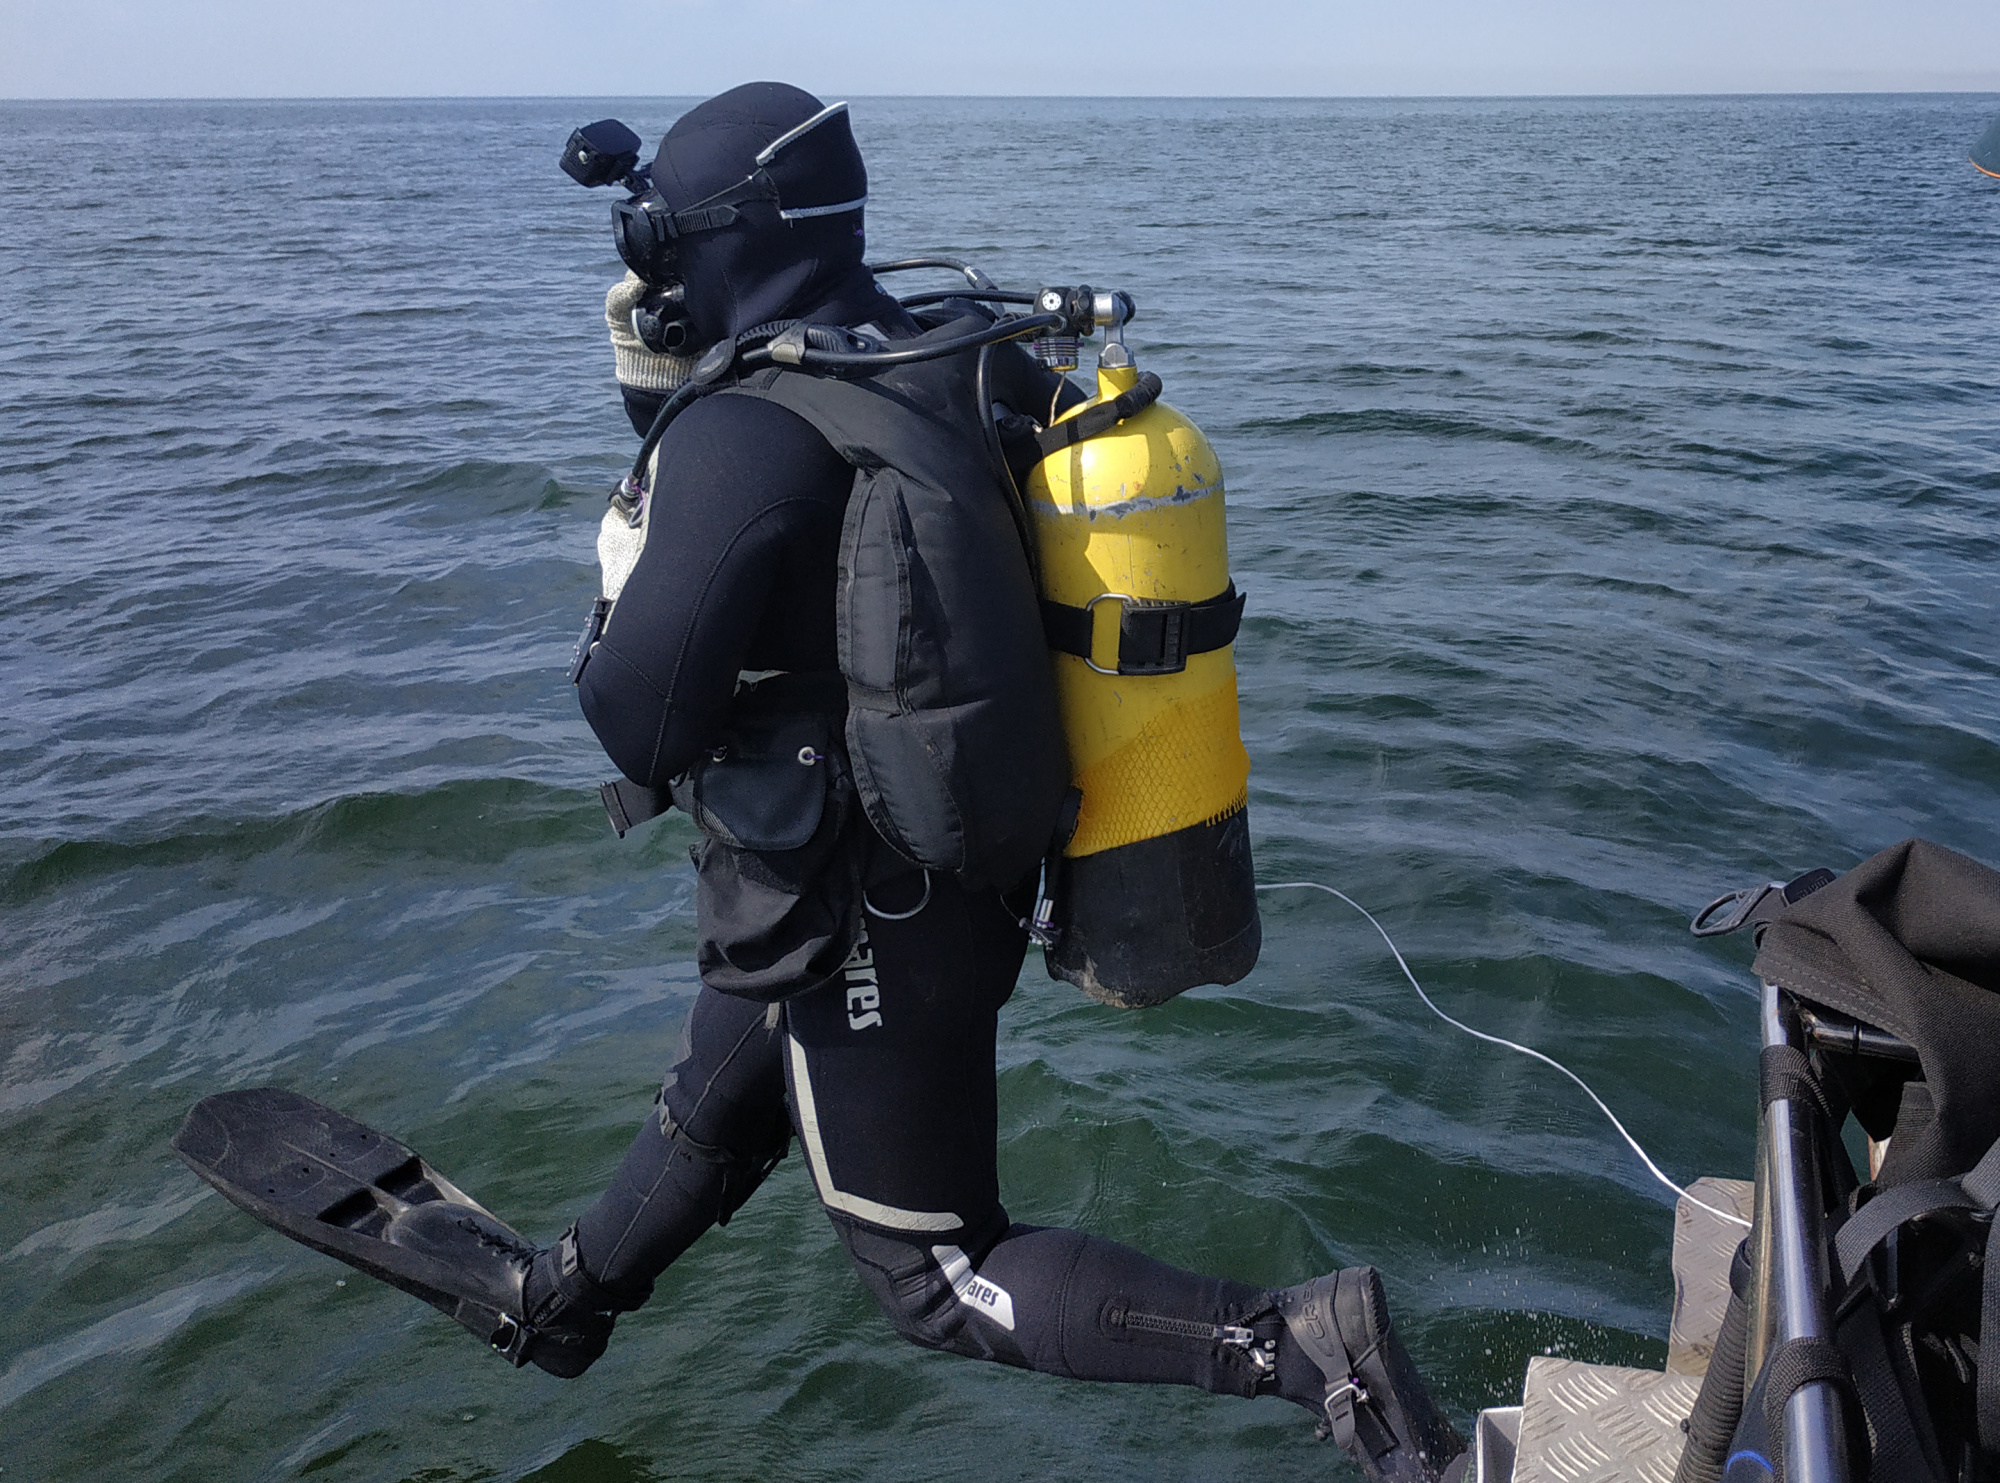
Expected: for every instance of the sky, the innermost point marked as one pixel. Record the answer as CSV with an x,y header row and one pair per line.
x,y
1173,48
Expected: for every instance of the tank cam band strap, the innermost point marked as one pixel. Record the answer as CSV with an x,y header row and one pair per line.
x,y
1099,419
1154,638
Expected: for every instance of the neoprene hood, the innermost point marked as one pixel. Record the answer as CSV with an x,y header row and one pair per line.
x,y
790,167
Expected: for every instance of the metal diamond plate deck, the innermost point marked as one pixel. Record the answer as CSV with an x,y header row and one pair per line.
x,y
1584,1423
1495,1437
1703,1246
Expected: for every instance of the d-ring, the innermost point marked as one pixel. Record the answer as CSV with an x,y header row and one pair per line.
x,y
1091,608
898,916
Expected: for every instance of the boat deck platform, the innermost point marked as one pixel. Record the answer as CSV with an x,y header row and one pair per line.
x,y
1585,1423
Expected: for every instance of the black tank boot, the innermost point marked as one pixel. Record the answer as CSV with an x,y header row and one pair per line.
x,y
1367,1392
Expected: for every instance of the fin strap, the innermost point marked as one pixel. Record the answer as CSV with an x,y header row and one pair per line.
x,y
1308,1313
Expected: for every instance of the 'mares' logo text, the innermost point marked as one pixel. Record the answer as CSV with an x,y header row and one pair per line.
x,y
864,994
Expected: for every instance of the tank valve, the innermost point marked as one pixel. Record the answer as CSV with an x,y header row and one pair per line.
x,y
1085,310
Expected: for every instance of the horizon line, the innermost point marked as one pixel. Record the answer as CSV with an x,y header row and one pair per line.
x,y
1881,92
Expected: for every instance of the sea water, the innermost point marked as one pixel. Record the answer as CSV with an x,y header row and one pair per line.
x,y
1614,486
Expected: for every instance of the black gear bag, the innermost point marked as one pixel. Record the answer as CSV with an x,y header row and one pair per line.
x,y
1891,974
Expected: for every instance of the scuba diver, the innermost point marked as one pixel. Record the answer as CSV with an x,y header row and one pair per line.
x,y
867,872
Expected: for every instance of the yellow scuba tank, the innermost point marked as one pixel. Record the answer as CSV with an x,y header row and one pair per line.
x,y
1154,892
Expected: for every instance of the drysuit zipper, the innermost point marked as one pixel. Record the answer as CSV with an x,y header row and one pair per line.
x,y
1262,1353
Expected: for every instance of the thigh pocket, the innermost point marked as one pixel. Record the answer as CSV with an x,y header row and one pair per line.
x,y
778,894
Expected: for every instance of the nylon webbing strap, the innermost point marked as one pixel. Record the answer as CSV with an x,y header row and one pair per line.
x,y
1986,1403
1785,1074
1154,638
1895,1449
1797,1363
1983,1183
1892,1208
1099,419
630,805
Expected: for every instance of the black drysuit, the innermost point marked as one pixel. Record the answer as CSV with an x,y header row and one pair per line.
x,y
886,1073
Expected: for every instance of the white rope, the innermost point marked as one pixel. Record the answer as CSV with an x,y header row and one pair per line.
x,y
1525,1050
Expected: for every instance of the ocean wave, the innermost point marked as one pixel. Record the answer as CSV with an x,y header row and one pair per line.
x,y
483,819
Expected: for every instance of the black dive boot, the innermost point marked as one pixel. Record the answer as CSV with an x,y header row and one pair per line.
x,y
569,1314
341,1187
1376,1405
547,1311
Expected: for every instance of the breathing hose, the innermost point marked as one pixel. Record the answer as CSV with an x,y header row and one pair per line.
x,y
813,358
755,347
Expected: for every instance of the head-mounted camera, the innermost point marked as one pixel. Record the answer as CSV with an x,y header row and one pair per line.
x,y
607,153
604,153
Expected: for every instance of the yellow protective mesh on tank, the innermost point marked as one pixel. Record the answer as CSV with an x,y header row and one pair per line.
x,y
1186,766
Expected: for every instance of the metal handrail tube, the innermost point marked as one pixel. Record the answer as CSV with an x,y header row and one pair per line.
x,y
1815,1443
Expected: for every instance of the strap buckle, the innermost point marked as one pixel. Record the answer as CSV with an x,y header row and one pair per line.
x,y
1339,1407
1753,905
1349,1390
1151,640
510,1338
1726,913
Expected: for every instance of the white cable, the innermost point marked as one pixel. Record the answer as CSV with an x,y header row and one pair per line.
x,y
1525,1050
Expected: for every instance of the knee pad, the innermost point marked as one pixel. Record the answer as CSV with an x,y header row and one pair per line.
x,y
908,1280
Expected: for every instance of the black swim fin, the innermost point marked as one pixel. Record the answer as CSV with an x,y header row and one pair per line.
x,y
342,1188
